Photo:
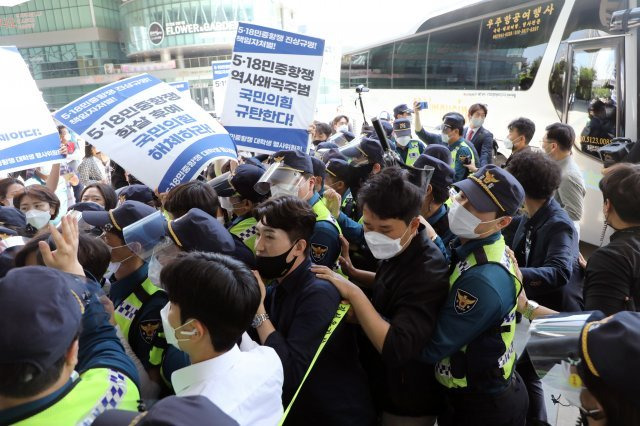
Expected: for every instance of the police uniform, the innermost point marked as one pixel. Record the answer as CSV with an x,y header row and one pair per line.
x,y
473,342
339,170
137,301
240,183
136,192
50,308
325,241
410,152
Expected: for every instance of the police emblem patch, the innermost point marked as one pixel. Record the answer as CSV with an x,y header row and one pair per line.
x,y
464,301
149,329
318,252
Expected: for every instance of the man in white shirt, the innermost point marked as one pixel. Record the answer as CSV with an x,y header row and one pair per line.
x,y
212,301
557,143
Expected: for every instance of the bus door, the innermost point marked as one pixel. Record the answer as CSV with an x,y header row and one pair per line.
x,y
594,102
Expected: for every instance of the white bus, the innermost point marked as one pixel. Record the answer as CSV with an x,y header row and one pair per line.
x,y
544,60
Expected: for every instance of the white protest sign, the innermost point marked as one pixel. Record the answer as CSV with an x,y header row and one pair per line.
x,y
220,77
28,134
145,126
272,88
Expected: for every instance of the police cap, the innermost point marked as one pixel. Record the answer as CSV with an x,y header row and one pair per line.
x,y
122,216
198,231
440,152
401,109
493,189
443,174
136,192
296,160
12,217
338,169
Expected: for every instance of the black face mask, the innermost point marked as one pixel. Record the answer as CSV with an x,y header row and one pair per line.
x,y
271,267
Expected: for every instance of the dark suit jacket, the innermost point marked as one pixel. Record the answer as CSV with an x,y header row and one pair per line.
x,y
483,143
551,272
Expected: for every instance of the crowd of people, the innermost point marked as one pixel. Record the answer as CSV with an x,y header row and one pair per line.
x,y
364,283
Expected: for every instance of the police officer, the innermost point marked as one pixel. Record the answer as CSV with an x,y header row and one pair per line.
x,y
319,173
434,208
402,111
138,192
61,361
338,176
236,194
462,151
137,301
473,342
409,149
292,174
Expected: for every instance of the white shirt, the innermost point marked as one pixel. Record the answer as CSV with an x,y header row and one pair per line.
x,y
246,385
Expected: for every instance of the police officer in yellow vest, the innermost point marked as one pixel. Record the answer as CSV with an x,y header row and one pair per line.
x,y
462,151
136,299
61,361
409,149
237,196
472,346
292,174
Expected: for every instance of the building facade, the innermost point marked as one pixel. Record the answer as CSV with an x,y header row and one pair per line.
x,y
75,46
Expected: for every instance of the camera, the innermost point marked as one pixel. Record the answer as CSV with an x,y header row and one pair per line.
x,y
361,88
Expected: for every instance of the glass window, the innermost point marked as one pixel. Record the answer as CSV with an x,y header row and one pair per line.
x,y
344,71
512,45
358,72
593,97
380,66
591,18
451,59
409,63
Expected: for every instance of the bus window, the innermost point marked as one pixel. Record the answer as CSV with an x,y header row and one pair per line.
x,y
358,71
451,58
584,23
409,63
344,71
593,101
380,66
512,46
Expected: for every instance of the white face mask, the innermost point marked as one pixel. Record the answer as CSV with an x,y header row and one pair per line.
x,y
170,332
444,137
342,128
477,122
383,247
277,190
403,140
508,143
155,267
37,218
225,203
462,222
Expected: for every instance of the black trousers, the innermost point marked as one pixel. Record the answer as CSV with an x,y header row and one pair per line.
x,y
508,408
537,413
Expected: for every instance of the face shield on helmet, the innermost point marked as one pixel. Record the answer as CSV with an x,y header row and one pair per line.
x,y
143,236
10,242
222,185
355,155
280,179
82,225
554,349
339,139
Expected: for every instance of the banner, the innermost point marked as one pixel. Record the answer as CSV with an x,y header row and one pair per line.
x,y
220,77
145,126
28,134
181,86
272,88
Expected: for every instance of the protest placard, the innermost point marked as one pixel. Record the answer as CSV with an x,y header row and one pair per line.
x,y
28,134
272,88
144,125
182,86
220,77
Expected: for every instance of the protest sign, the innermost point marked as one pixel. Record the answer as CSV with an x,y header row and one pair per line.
x,y
145,126
220,77
181,86
272,88
28,134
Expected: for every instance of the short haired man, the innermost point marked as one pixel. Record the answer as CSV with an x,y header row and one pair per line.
x,y
206,319
408,289
521,131
545,245
61,360
182,198
557,143
478,135
408,148
294,316
472,345
321,133
137,301
292,174
237,195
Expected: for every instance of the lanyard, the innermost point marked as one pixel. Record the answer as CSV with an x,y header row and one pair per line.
x,y
340,313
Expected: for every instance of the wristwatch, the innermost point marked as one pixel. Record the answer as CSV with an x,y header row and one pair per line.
x,y
259,319
531,306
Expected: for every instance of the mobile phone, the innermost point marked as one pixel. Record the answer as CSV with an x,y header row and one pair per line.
x,y
423,105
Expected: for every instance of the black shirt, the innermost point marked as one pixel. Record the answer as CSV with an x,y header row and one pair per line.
x,y
408,292
336,392
612,277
